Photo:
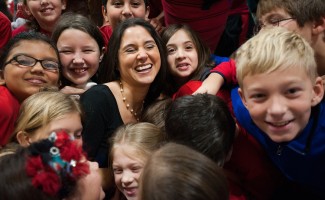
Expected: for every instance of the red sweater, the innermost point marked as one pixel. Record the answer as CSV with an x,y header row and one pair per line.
x,y
9,107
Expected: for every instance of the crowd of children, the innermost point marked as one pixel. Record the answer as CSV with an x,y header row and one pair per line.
x,y
114,110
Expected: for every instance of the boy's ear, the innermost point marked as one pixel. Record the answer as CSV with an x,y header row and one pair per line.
x,y
318,91
319,26
242,96
23,138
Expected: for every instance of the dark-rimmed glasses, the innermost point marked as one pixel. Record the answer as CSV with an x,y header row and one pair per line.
x,y
28,61
277,22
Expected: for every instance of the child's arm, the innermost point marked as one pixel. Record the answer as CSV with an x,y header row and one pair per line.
x,y
211,84
224,73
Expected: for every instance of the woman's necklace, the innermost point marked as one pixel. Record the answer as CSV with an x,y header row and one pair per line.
x,y
132,111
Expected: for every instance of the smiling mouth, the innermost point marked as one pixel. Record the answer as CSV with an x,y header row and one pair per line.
x,y
78,70
279,124
143,68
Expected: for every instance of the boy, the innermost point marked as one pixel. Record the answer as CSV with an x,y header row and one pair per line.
x,y
280,88
305,17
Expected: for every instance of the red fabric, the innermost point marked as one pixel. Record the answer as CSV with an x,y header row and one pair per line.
x,y
5,30
106,32
24,28
228,71
191,86
9,109
209,24
256,174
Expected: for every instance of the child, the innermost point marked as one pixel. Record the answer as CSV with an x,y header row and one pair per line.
x,y
45,15
155,113
45,112
204,123
53,168
282,93
305,17
177,172
30,61
188,57
131,146
114,13
81,48
187,122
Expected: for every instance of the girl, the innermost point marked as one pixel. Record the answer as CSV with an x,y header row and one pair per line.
x,y
131,146
81,48
53,168
23,72
135,76
188,57
45,112
44,13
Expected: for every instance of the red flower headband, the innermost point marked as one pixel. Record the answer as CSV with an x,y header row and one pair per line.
x,y
53,159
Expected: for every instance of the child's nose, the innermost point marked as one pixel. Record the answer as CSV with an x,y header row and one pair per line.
x,y
277,106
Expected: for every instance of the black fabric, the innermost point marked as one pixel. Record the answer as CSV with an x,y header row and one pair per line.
x,y
102,117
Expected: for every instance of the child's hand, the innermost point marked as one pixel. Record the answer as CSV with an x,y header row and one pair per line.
x,y
211,85
72,90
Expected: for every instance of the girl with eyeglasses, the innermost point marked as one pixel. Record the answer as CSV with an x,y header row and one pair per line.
x,y
29,62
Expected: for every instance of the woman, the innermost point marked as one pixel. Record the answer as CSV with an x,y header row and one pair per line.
x,y
135,73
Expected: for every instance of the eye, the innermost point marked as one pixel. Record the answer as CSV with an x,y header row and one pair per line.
x,y
51,65
88,51
293,92
189,47
136,169
117,170
274,21
150,46
117,4
136,4
258,96
77,135
65,51
171,50
130,50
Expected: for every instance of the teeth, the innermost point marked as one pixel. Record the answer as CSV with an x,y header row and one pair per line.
x,y
79,70
182,65
280,123
35,81
141,68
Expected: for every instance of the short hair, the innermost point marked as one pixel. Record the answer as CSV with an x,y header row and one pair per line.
x,y
111,73
156,112
204,123
177,172
273,49
79,22
26,36
18,177
302,10
41,108
144,137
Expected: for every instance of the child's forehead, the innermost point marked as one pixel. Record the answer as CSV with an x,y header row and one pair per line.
x,y
275,12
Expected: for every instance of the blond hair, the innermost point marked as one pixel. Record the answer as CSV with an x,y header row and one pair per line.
x,y
144,137
41,108
273,49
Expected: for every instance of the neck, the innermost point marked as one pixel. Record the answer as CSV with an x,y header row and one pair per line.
x,y
133,97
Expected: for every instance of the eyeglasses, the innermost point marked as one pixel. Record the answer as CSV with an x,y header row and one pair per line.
x,y
27,61
272,22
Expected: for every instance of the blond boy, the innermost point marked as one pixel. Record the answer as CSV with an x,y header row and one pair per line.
x,y
279,102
